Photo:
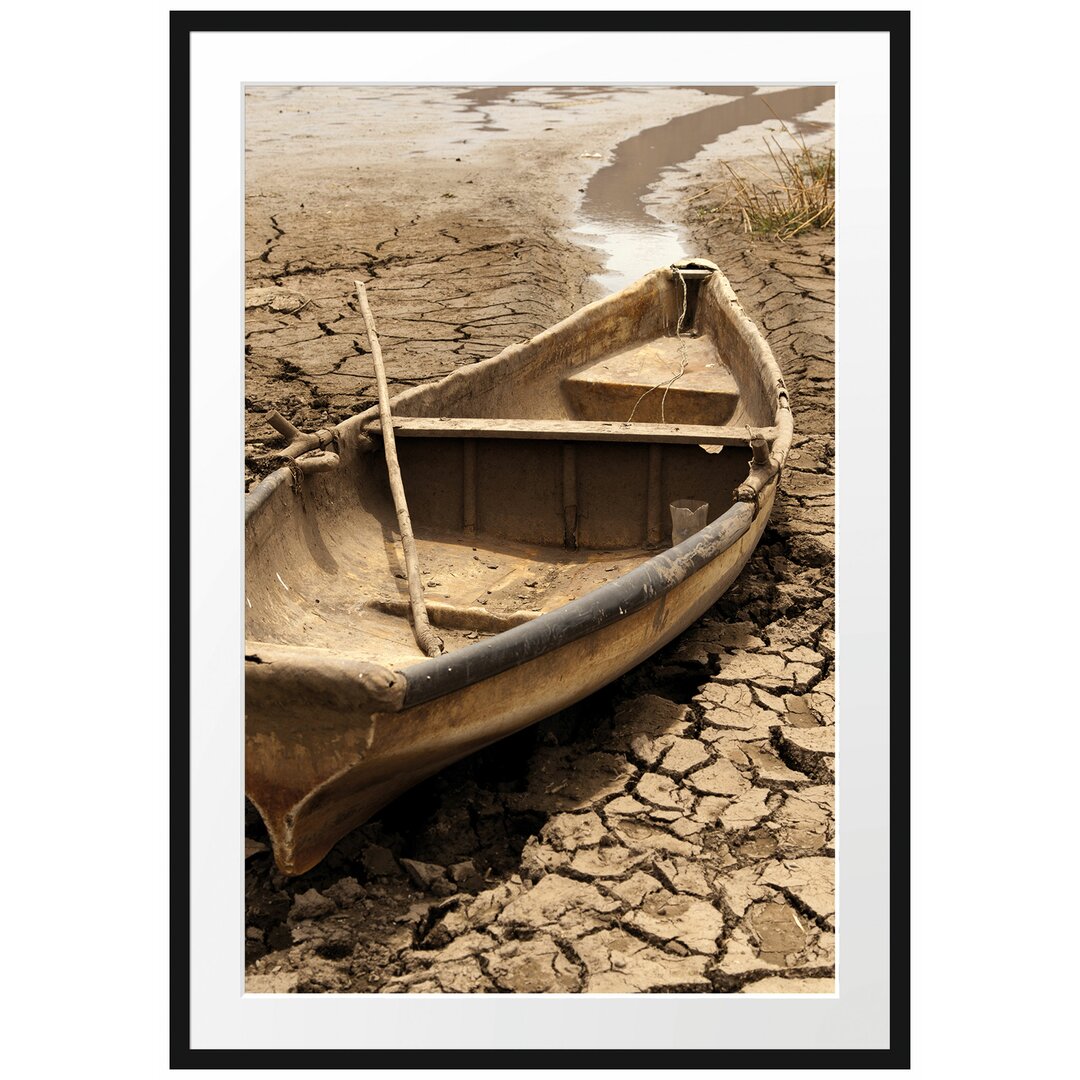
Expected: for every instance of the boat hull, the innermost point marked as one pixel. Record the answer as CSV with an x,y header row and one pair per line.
x,y
313,782
539,482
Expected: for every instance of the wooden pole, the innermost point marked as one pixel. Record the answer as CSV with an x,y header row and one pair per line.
x,y
426,638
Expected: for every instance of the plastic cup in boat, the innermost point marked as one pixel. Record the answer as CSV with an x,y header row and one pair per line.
x,y
688,516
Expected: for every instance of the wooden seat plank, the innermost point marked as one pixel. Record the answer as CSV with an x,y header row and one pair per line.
x,y
574,430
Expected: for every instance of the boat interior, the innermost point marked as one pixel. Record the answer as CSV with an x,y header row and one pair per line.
x,y
532,478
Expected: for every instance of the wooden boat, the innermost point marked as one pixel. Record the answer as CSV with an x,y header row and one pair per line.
x,y
539,485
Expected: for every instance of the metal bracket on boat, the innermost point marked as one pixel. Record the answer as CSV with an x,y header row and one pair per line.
x,y
782,399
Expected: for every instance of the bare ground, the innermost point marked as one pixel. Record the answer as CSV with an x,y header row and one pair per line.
x,y
671,833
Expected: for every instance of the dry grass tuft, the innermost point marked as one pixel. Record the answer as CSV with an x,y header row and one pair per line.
x,y
799,195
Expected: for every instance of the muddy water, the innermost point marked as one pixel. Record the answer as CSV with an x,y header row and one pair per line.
x,y
477,98
612,210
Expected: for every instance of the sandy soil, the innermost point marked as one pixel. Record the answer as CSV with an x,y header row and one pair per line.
x,y
675,831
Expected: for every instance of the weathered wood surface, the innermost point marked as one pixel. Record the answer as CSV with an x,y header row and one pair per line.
x,y
447,427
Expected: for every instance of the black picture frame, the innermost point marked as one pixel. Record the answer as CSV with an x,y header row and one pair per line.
x,y
896,24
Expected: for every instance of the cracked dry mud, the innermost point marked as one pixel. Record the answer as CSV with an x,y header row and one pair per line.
x,y
672,833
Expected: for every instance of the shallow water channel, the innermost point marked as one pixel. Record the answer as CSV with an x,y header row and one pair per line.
x,y
613,215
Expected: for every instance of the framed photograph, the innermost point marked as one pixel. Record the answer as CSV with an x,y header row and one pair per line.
x,y
560,648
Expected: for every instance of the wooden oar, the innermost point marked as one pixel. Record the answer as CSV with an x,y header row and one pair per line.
x,y
426,638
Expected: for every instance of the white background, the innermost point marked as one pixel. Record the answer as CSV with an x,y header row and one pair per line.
x,y
85,205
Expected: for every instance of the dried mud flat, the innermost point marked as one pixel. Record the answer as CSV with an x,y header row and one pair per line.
x,y
673,833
